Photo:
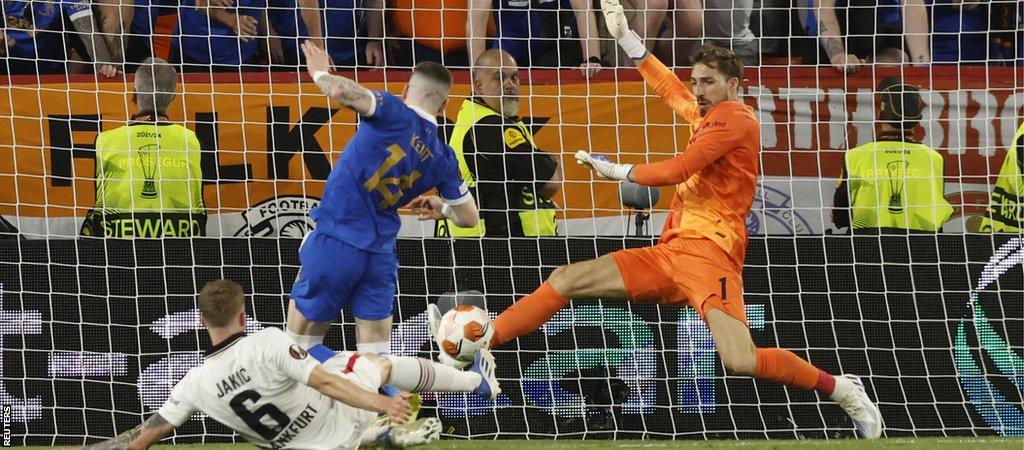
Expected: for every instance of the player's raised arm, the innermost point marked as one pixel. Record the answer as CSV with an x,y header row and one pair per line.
x,y
340,89
143,436
660,78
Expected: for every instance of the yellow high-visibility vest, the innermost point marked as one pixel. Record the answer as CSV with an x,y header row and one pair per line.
x,y
896,185
1006,204
149,183
539,221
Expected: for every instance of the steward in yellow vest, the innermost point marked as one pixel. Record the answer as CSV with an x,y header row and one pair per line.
x,y
149,182
895,184
1006,205
512,178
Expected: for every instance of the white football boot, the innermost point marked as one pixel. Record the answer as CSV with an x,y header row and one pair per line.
x,y
867,419
419,432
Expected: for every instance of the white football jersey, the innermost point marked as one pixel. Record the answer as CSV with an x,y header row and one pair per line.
x,y
256,385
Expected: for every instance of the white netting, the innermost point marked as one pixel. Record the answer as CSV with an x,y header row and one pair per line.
x,y
96,326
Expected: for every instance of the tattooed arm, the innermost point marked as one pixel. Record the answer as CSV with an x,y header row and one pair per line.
x,y
140,437
831,38
340,89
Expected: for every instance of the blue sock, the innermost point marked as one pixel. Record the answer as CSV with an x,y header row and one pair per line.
x,y
390,391
321,352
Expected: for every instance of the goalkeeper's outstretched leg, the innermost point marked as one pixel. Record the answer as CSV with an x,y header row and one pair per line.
x,y
655,275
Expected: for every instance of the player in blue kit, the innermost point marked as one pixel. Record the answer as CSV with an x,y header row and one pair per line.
x,y
349,260
34,39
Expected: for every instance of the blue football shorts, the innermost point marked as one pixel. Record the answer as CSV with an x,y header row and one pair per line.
x,y
335,275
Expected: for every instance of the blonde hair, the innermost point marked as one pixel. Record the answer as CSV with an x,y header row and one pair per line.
x,y
220,302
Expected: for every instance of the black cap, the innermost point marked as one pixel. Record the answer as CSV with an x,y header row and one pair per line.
x,y
901,103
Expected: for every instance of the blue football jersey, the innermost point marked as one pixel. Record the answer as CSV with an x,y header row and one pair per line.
x,y
37,28
340,21
521,30
209,41
394,157
888,12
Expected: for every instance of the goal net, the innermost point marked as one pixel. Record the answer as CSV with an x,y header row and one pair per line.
x,y
98,315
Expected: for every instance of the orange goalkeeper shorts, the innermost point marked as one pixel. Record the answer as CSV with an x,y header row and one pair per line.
x,y
683,271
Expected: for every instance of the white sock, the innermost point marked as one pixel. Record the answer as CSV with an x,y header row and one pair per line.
x,y
419,375
306,342
375,348
843,386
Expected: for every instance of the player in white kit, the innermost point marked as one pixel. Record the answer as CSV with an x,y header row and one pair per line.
x,y
270,391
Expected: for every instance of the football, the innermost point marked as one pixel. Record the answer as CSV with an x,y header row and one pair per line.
x,y
464,331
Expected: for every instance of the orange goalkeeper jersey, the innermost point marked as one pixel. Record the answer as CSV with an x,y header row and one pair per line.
x,y
715,176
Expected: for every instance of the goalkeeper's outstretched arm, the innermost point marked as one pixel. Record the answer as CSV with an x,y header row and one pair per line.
x,y
658,77
346,92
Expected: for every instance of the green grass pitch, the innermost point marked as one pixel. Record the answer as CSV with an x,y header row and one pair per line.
x,y
834,444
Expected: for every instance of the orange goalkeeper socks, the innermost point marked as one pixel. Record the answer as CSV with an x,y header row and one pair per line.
x,y
527,314
784,366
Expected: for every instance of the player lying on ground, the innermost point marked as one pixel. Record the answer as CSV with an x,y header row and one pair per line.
x,y
699,259
349,260
270,391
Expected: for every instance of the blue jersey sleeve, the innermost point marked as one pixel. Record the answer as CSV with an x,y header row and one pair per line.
x,y
75,8
452,188
388,111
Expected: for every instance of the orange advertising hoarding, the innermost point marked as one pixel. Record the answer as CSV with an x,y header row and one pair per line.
x,y
271,137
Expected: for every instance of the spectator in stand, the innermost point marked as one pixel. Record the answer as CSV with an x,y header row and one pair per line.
x,y
137,29
873,30
727,25
1006,33
959,31
532,32
435,30
342,22
893,185
286,30
219,35
776,22
35,40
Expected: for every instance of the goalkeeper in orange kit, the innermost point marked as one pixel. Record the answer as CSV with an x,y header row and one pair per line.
x,y
699,259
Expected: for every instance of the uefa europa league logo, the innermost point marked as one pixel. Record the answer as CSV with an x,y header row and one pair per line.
x,y
148,161
897,181
983,352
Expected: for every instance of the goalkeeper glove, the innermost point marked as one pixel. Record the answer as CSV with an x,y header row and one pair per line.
x,y
603,167
615,21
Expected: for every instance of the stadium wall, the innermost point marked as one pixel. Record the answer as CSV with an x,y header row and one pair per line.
x,y
94,334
